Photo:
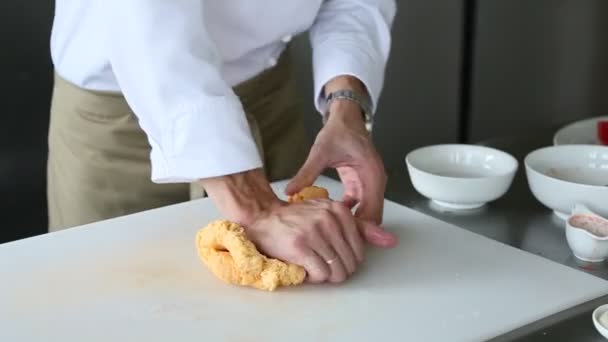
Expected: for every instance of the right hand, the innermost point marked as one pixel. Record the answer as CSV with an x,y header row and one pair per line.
x,y
320,235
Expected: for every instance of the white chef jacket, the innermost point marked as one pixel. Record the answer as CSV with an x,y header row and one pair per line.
x,y
176,61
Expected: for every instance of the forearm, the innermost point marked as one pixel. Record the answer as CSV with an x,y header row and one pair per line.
x,y
241,197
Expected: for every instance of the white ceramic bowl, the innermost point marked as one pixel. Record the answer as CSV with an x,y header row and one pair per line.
x,y
596,319
461,176
561,176
587,245
580,132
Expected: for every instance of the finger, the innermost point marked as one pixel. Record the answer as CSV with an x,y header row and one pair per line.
x,y
338,270
329,256
338,227
335,235
350,178
371,209
317,270
373,182
333,229
314,165
352,186
375,235
350,231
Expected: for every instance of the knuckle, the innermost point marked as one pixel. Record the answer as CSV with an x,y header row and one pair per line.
x,y
331,229
360,256
313,278
316,275
327,201
339,208
297,241
325,216
323,204
339,277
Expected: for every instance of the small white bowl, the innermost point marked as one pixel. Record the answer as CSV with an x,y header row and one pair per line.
x,y
597,313
585,244
580,132
460,176
561,176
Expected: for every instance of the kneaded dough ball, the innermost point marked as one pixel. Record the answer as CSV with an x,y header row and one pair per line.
x,y
309,193
224,247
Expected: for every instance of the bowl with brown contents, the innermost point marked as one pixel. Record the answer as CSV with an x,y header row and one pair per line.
x,y
587,234
561,176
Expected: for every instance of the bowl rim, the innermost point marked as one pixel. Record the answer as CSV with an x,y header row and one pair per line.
x,y
584,231
558,180
596,319
510,171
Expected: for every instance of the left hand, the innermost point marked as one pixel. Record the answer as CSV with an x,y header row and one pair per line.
x,y
345,145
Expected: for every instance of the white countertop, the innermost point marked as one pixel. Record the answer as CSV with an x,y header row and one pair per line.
x,y
138,278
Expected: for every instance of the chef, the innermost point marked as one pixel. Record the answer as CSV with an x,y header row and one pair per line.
x,y
156,100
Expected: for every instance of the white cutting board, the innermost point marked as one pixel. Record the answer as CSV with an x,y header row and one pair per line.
x,y
138,278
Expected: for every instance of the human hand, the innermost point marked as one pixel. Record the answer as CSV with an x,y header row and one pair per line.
x,y
320,235
345,145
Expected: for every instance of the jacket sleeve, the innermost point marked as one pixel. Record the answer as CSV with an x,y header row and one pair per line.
x,y
169,72
352,37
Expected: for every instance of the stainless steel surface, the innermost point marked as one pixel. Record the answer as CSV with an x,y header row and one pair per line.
x,y
519,220
571,325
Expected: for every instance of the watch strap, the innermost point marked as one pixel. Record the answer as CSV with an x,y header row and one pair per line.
x,y
349,95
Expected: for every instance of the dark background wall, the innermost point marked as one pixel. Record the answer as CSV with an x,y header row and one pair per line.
x,y
534,65
538,65
25,92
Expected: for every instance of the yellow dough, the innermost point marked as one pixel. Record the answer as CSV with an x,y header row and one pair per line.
x,y
224,247
309,193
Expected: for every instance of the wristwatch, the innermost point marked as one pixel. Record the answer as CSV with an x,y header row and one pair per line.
x,y
363,101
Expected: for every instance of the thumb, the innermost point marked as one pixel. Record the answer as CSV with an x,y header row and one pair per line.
x,y
308,173
377,236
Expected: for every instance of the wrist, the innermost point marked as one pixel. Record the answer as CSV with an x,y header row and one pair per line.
x,y
345,113
242,197
345,110
347,100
